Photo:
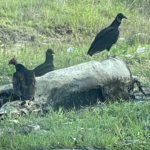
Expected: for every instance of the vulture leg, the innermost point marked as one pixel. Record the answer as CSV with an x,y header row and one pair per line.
x,y
108,52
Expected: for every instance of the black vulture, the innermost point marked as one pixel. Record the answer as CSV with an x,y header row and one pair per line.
x,y
106,37
47,66
24,82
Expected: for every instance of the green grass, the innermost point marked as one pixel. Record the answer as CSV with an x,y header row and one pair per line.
x,y
59,24
113,126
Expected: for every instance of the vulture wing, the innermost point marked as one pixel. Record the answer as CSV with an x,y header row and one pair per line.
x,y
19,84
30,83
104,40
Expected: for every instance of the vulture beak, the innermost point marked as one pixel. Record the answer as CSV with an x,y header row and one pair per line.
x,y
125,17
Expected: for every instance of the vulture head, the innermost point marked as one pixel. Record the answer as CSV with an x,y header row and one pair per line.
x,y
19,67
13,61
119,17
49,52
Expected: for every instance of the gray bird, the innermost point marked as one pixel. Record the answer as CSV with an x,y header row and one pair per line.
x,y
24,82
47,66
106,37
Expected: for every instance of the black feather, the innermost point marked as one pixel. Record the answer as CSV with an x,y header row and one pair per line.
x,y
24,82
47,66
106,37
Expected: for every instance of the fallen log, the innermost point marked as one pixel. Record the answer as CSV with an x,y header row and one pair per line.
x,y
82,84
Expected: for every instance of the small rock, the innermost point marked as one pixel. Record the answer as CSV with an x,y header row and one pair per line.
x,y
8,108
88,148
15,121
44,131
70,49
122,39
129,56
33,127
68,123
140,50
74,139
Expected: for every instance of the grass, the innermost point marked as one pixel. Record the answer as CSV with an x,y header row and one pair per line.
x,y
60,24
113,126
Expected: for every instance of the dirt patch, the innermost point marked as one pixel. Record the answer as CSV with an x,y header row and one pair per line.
x,y
64,33
12,36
